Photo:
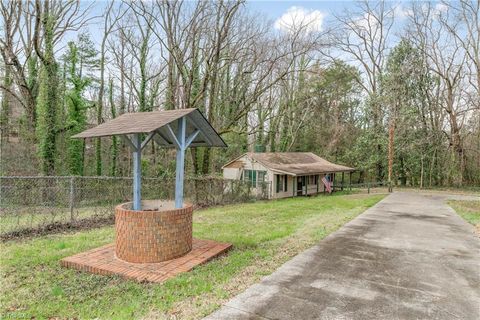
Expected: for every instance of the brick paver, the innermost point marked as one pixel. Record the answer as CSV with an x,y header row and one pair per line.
x,y
103,261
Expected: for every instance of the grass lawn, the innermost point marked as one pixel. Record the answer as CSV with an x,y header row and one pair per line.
x,y
468,210
264,234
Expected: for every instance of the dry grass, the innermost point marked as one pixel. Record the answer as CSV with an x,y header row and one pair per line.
x,y
468,210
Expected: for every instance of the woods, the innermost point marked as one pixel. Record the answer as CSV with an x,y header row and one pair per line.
x,y
391,89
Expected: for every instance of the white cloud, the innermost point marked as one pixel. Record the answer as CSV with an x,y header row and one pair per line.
x,y
439,10
367,21
441,7
296,18
402,13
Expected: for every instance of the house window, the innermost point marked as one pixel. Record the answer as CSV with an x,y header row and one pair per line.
x,y
261,176
254,176
281,183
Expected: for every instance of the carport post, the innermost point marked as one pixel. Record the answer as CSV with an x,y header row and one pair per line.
x,y
137,171
343,179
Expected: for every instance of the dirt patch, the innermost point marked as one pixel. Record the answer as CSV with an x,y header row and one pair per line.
x,y
59,227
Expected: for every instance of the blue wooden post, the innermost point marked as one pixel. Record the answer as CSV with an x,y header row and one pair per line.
x,y
137,171
180,162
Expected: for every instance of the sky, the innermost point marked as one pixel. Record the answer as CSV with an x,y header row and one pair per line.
x,y
317,13
275,9
278,11
284,15
285,12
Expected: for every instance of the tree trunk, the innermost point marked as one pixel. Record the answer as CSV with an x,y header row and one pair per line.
x,y
114,153
98,143
391,132
6,107
49,86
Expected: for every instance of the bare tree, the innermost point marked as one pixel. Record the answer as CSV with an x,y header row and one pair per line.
x,y
433,31
364,36
111,17
16,49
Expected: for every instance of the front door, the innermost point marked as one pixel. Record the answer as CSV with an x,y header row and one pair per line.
x,y
300,184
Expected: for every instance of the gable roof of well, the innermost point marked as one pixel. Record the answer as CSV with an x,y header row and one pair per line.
x,y
295,163
147,122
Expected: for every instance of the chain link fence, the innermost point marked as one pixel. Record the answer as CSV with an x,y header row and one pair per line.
x,y
29,204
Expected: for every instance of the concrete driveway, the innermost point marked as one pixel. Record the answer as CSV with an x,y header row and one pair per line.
x,y
408,257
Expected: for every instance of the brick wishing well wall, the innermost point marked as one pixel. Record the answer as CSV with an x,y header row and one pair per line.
x,y
152,236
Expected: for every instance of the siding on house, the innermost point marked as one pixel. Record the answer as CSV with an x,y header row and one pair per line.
x,y
234,169
231,173
281,194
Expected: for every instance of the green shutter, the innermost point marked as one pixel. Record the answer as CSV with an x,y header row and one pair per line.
x,y
285,183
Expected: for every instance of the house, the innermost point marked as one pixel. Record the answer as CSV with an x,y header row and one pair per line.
x,y
288,174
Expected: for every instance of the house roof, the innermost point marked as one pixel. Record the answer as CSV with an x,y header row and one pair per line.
x,y
296,163
157,121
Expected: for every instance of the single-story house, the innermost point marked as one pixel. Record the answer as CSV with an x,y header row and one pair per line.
x,y
288,174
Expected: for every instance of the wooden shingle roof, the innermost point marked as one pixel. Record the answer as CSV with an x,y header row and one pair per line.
x,y
156,121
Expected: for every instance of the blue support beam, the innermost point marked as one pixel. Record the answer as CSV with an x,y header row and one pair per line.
x,y
137,171
181,147
164,135
181,142
191,138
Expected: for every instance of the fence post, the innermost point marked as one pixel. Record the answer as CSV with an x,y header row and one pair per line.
x,y
71,198
368,186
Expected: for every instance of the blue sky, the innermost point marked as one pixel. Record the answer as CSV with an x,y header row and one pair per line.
x,y
274,9
271,10
319,14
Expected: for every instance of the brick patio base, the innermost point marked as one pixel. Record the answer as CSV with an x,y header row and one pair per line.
x,y
103,261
